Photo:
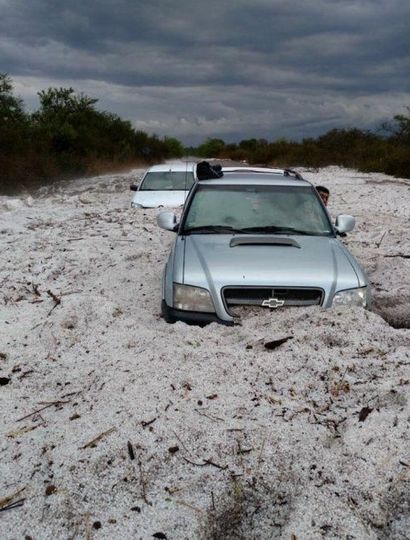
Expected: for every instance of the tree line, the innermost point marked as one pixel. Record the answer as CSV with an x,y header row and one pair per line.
x,y
386,150
67,137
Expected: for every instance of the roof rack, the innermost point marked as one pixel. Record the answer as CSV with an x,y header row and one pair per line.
x,y
263,170
206,171
291,172
250,169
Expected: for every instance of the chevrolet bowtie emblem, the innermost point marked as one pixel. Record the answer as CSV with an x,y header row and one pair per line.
x,y
273,303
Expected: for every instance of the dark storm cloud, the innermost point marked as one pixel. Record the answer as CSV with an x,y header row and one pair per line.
x,y
217,68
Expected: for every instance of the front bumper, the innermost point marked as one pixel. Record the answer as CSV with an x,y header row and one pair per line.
x,y
197,318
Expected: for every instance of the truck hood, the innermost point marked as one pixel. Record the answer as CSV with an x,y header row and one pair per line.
x,y
214,261
154,199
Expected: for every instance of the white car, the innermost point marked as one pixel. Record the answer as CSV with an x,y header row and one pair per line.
x,y
164,185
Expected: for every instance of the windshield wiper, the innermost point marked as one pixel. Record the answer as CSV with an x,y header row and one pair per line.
x,y
279,230
212,229
268,229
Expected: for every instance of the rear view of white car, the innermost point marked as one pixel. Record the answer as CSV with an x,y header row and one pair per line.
x,y
164,185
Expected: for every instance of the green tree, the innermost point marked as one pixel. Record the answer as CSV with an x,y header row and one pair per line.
x,y
173,147
11,107
64,100
399,129
62,120
211,148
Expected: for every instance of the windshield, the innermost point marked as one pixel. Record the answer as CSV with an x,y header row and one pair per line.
x,y
167,181
256,209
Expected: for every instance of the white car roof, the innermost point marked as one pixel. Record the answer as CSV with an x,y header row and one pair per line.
x,y
173,167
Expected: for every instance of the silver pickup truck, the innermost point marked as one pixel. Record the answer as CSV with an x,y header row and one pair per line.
x,y
258,239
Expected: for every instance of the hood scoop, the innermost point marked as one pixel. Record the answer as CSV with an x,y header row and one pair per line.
x,y
263,241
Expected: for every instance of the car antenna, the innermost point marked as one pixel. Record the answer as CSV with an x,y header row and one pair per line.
x,y
186,173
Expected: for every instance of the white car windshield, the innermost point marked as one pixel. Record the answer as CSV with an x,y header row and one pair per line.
x,y
256,209
167,181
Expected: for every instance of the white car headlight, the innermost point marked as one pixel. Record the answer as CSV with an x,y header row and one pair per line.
x,y
351,297
191,298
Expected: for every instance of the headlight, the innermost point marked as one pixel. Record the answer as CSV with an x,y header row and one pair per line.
x,y
191,298
136,205
351,297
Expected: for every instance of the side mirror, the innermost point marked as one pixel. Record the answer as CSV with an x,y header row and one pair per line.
x,y
344,223
134,187
167,221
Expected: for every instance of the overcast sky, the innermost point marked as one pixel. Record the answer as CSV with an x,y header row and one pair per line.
x,y
231,69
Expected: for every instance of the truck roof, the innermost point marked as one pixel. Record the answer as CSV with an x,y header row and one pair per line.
x,y
247,177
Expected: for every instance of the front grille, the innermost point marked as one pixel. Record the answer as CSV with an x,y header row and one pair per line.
x,y
256,296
